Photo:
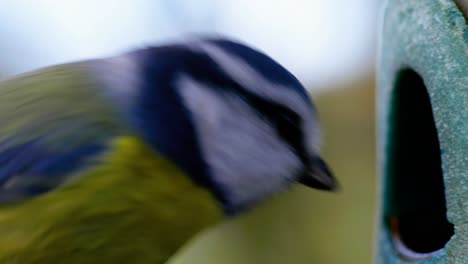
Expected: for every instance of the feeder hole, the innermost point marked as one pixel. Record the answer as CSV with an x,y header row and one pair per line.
x,y
415,199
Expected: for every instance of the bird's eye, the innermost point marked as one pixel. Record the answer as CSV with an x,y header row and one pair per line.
x,y
288,125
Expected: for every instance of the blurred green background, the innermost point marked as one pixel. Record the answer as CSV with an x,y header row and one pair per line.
x,y
328,45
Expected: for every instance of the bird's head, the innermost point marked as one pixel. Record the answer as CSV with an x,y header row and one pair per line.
x,y
233,118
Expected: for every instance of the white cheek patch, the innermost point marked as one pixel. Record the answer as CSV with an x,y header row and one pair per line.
x,y
245,155
120,76
254,82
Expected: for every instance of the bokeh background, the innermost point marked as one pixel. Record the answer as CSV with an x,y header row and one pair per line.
x,y
330,46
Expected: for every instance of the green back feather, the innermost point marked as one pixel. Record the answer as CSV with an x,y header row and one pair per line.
x,y
136,207
61,103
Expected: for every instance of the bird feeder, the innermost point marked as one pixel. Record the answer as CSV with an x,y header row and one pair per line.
x,y
423,128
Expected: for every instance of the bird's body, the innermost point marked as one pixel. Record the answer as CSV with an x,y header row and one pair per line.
x,y
122,160
126,210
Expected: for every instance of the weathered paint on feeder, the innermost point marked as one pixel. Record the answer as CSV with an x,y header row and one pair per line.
x,y
425,39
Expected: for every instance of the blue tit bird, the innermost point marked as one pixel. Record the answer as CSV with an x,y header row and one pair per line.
x,y
124,159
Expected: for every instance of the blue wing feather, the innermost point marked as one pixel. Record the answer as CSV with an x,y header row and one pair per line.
x,y
31,168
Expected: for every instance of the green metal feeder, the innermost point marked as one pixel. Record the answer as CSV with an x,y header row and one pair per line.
x,y
423,128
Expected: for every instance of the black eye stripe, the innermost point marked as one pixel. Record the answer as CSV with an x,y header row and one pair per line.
x,y
288,124
289,128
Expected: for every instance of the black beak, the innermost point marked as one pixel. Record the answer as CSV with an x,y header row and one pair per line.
x,y
319,176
